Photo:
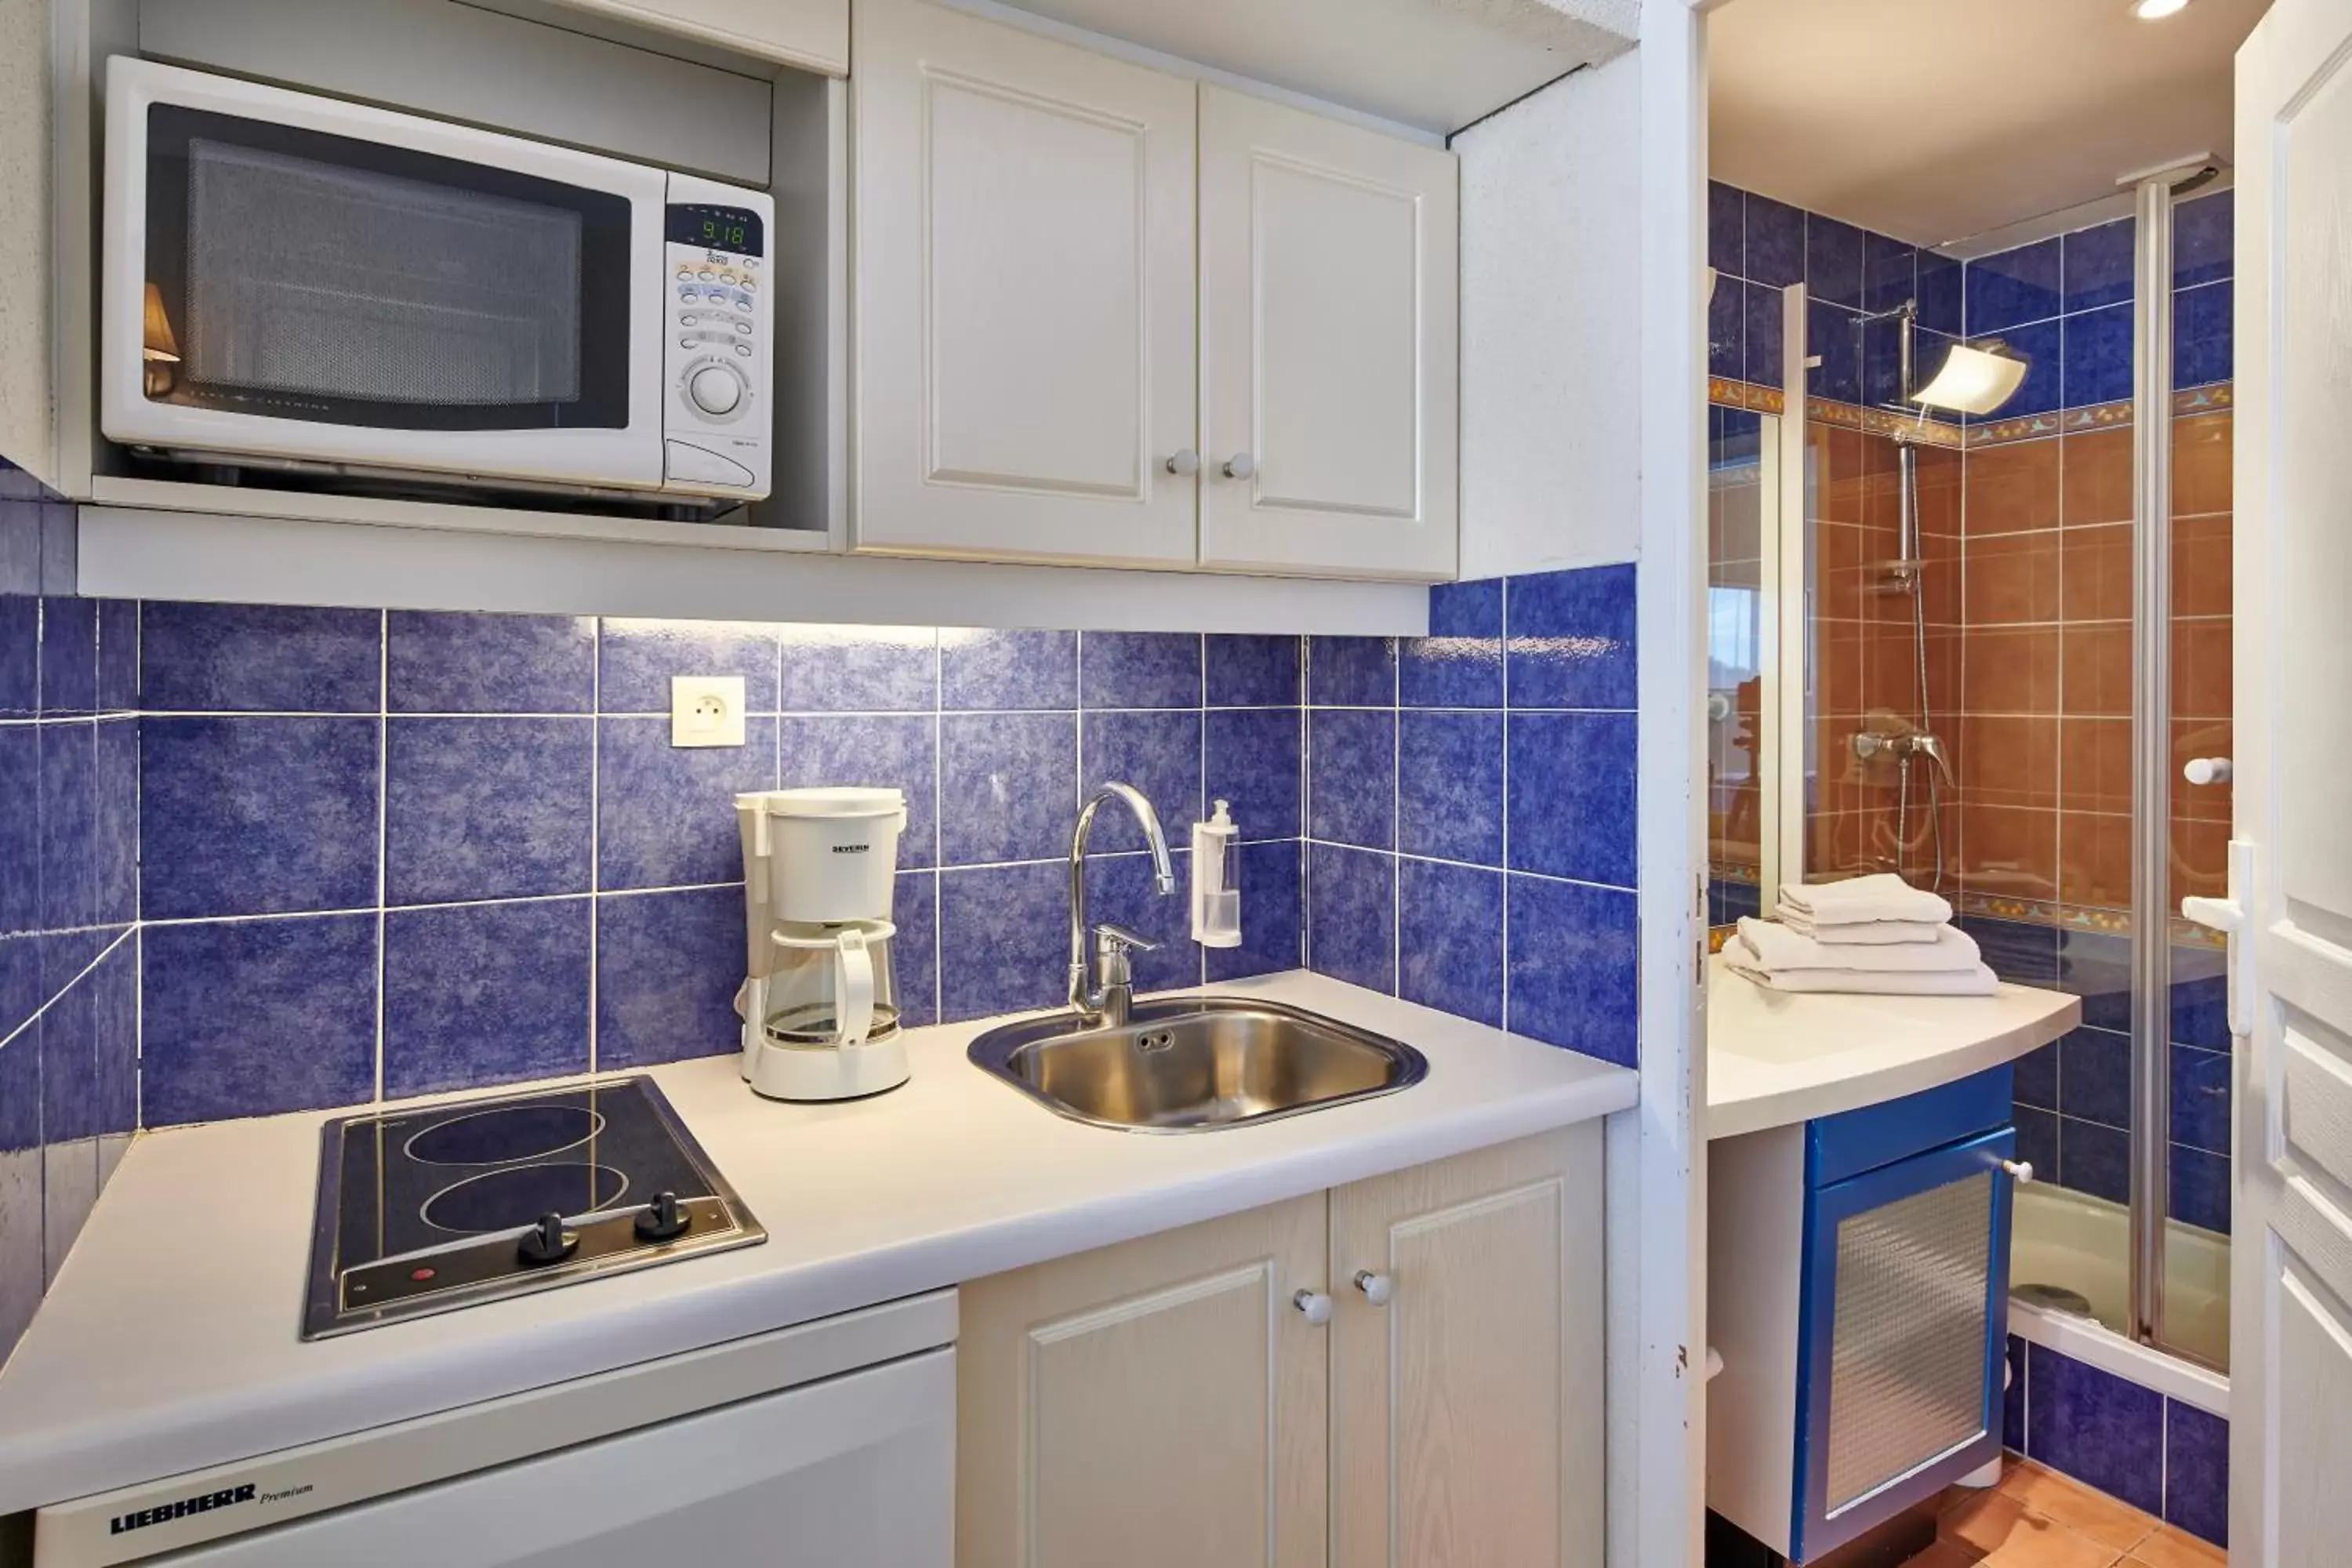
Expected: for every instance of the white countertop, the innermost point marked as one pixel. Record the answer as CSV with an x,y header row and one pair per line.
x,y
1773,1057
168,1342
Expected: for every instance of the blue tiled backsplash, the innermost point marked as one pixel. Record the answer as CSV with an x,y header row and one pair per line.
x,y
266,859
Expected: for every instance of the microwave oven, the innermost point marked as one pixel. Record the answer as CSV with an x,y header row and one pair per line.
x,y
297,282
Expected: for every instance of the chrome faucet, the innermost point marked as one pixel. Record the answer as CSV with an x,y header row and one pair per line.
x,y
1103,997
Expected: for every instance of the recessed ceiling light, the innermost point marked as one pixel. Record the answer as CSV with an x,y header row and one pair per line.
x,y
2157,10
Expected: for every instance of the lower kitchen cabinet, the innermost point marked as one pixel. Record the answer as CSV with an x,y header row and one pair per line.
x,y
1250,1389
1476,1391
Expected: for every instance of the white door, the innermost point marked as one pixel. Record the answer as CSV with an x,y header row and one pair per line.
x,y
2291,986
857,1472
1328,330
1024,365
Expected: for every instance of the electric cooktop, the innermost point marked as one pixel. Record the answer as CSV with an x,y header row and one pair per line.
x,y
446,1205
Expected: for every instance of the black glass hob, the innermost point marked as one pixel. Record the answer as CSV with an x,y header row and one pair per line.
x,y
443,1206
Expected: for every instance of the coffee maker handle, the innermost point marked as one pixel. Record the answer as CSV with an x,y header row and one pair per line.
x,y
856,987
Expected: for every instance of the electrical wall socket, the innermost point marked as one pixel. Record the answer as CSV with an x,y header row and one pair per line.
x,y
706,710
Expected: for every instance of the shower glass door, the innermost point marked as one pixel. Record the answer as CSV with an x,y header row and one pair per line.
x,y
2005,624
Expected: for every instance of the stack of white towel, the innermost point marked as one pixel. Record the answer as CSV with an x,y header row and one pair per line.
x,y
1874,933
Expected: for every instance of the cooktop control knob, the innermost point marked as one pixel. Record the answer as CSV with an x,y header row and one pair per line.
x,y
715,389
662,1219
548,1241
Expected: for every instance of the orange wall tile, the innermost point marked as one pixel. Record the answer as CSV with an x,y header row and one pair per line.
x,y
2201,464
2010,578
2095,870
2096,574
2011,488
2097,482
2097,673
2201,577
2095,765
2009,760
2010,669
2200,668
2010,851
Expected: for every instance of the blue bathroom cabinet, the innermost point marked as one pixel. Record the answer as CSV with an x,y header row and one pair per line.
x,y
1857,1294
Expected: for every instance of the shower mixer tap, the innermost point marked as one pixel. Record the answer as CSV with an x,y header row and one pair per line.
x,y
1901,747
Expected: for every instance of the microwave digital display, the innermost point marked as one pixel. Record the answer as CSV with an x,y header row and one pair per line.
x,y
735,229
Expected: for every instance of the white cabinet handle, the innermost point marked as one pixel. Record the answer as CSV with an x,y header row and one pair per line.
x,y
2206,770
1240,465
1377,1288
1315,1304
1185,462
2021,1171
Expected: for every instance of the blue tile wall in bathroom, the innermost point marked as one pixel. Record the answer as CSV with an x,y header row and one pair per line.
x,y
1470,809
2163,1455
2067,302
1759,245
69,947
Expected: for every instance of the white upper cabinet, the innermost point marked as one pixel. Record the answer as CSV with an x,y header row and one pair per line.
x,y
811,34
1327,344
1024,358
1108,314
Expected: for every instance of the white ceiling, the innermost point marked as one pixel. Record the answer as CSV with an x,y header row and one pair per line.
x,y
1936,120
1436,65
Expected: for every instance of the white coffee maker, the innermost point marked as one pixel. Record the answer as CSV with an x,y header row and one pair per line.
x,y
819,1003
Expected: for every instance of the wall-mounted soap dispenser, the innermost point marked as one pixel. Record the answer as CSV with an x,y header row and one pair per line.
x,y
1216,882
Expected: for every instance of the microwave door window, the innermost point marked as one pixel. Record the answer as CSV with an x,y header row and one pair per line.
x,y
316,278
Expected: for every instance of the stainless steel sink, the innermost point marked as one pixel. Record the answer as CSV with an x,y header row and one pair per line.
x,y
1190,1064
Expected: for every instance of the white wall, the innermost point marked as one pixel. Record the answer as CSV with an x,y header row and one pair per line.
x,y
1551,325
27,423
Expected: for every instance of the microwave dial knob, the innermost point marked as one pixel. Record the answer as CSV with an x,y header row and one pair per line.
x,y
715,389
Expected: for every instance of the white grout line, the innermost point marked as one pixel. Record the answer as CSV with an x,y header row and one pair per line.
x,y
382,831
63,991
596,823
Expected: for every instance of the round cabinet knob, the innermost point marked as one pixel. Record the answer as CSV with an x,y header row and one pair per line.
x,y
1240,465
1315,1304
2021,1171
2207,770
1377,1288
715,391
1185,462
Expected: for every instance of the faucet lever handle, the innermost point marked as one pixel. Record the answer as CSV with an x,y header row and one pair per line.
x,y
1116,938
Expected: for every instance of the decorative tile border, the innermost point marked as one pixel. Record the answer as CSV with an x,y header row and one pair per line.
x,y
2186,404
1745,395
2069,917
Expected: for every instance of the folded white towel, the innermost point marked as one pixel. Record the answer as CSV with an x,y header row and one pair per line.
x,y
1859,899
1777,948
1870,933
1977,981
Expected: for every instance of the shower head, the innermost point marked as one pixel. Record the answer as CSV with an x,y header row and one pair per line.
x,y
1974,378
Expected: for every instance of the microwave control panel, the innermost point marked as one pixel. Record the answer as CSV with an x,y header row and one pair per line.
x,y
718,341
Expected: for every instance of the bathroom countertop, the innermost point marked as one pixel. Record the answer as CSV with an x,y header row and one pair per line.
x,y
168,1342
1774,1057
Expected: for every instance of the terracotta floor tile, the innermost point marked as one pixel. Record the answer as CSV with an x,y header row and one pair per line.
x,y
1983,1523
2171,1548
1943,1554
2048,1545
2077,1506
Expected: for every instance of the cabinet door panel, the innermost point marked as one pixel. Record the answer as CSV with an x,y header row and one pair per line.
x,y
1466,1412
1026,307
1156,1405
1329,343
